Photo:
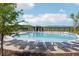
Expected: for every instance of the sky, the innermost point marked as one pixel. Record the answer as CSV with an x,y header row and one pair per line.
x,y
48,14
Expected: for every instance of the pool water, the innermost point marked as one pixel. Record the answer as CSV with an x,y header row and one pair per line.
x,y
42,36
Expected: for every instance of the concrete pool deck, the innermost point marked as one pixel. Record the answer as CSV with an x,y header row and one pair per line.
x,y
13,47
16,48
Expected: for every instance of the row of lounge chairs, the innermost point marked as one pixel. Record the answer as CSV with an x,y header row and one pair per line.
x,y
44,46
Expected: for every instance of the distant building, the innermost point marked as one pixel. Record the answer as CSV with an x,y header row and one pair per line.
x,y
45,28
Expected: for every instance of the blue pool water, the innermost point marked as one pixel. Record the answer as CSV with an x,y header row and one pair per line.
x,y
42,36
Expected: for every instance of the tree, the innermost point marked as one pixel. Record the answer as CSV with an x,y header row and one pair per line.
x,y
8,20
75,17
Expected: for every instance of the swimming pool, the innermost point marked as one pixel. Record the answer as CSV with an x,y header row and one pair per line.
x,y
46,36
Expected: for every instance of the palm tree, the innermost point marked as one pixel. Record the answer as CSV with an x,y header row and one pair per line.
x,y
75,17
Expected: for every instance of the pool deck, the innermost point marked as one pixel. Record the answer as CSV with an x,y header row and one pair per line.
x,y
13,47
16,48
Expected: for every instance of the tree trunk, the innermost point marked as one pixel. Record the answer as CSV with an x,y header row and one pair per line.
x,y
2,36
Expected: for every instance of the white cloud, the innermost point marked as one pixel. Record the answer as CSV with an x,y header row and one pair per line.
x,y
48,20
76,4
25,5
62,10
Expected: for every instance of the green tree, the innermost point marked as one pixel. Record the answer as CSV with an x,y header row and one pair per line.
x,y
75,17
8,20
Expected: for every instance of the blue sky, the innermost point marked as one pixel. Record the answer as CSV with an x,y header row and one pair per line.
x,y
48,14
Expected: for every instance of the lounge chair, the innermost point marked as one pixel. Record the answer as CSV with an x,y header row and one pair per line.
x,y
16,42
32,45
50,46
23,45
71,46
61,46
41,47
75,42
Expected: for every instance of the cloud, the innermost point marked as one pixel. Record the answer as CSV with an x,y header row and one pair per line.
x,y
49,20
62,10
25,5
76,4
